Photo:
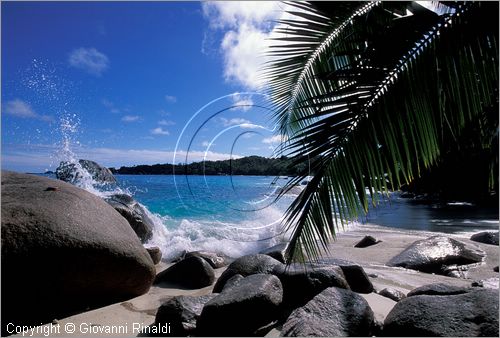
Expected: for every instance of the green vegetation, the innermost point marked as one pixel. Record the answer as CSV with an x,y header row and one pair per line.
x,y
378,94
251,165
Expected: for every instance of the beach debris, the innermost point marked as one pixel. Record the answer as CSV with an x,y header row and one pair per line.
x,y
155,254
277,252
245,308
216,260
134,213
99,258
431,254
486,237
334,312
182,312
393,294
191,272
470,314
366,242
249,265
74,172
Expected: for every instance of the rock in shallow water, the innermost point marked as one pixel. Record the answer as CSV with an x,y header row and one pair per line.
x,y
72,172
332,313
81,251
242,309
471,314
431,254
155,254
192,272
486,237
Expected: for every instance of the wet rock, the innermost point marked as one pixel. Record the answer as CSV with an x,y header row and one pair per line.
x,y
74,172
438,289
393,294
155,254
235,280
192,272
486,237
301,282
244,308
277,252
75,244
366,242
470,314
431,254
249,265
216,260
134,213
181,313
334,312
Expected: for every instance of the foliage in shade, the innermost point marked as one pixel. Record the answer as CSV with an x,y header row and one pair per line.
x,y
373,97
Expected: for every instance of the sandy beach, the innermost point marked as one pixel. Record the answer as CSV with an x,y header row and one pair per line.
x,y
129,317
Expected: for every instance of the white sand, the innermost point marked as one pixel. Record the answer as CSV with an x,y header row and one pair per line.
x,y
141,310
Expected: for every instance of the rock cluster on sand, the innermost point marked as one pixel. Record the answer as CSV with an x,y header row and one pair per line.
x,y
436,254
64,250
469,314
277,252
69,172
192,272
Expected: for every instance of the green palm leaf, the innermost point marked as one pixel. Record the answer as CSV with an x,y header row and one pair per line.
x,y
371,98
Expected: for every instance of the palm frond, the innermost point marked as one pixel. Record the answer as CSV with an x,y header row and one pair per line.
x,y
369,97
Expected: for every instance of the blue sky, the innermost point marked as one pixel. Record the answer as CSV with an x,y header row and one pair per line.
x,y
124,83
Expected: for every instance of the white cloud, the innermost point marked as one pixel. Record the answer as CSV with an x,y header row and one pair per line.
x,y
205,144
159,131
130,118
23,110
166,123
110,106
275,139
170,98
242,102
90,60
234,121
248,27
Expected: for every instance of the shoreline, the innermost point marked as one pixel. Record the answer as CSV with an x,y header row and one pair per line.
x,y
142,309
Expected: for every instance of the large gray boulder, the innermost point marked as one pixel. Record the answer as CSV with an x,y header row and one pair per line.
x,y
64,250
242,309
249,265
486,237
72,172
438,289
470,314
435,253
192,272
216,260
334,312
354,274
134,213
181,314
277,251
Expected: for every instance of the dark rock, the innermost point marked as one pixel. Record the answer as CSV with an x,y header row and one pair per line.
x,y
486,237
134,213
393,294
181,313
431,254
470,314
354,274
244,308
277,252
495,268
438,289
235,280
372,275
82,252
74,172
216,260
301,282
366,241
249,265
456,271
334,312
155,254
192,272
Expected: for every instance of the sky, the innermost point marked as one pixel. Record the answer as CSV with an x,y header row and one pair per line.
x,y
127,83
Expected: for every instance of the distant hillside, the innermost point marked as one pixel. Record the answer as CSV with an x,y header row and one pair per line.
x,y
251,165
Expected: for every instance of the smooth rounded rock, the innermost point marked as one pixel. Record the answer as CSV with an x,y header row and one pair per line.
x,y
354,274
155,254
64,250
486,237
192,272
74,172
216,260
277,252
393,294
334,312
366,242
438,289
249,265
